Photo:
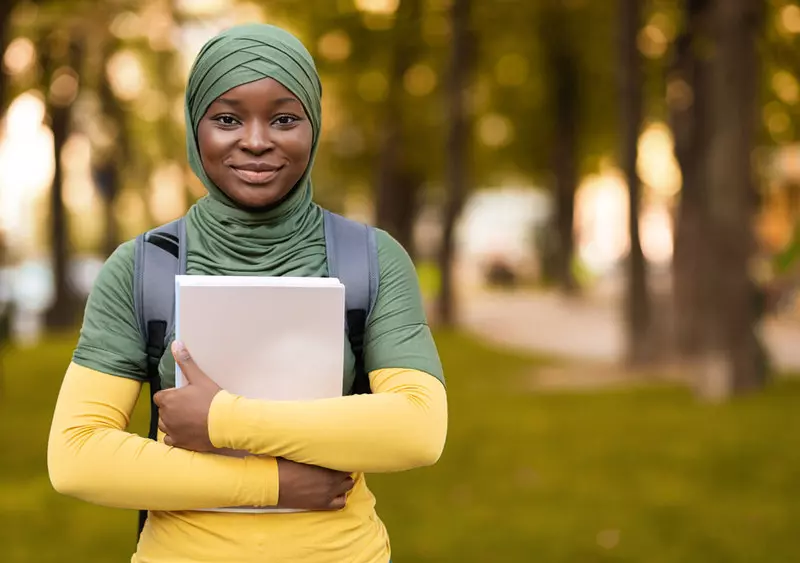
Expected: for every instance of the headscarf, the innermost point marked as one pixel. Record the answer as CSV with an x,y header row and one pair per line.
x,y
243,54
224,238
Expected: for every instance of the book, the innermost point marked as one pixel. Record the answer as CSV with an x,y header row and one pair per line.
x,y
274,338
271,338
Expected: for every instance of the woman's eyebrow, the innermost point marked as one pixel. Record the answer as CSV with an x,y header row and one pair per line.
x,y
228,102
287,100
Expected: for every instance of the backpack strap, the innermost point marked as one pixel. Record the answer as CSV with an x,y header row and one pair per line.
x,y
352,256
160,255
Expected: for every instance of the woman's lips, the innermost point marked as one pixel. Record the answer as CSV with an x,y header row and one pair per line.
x,y
256,176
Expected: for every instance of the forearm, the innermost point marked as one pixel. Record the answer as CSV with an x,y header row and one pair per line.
x,y
91,457
402,425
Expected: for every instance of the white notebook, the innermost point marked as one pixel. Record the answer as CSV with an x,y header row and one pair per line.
x,y
273,338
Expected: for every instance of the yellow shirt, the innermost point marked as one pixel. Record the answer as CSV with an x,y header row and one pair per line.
x,y
400,426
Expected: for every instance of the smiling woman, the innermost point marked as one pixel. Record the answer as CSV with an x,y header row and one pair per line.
x,y
255,143
253,115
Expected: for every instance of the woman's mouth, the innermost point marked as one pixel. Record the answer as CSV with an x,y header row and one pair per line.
x,y
256,176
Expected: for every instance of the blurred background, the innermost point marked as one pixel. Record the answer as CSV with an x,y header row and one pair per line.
x,y
602,200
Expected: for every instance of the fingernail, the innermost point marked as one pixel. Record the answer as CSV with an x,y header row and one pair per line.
x,y
180,350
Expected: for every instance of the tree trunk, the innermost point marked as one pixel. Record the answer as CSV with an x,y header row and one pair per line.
x,y
108,167
62,314
6,9
637,303
736,362
458,140
396,201
562,65
407,196
690,125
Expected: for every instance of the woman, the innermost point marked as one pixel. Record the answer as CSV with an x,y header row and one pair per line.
x,y
253,126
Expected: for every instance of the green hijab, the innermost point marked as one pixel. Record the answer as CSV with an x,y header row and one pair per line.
x,y
224,238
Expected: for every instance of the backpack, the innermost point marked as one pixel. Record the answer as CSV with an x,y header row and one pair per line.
x,y
160,255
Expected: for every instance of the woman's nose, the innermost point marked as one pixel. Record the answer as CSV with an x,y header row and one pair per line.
x,y
255,138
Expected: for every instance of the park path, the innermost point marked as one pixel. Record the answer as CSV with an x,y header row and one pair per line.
x,y
583,329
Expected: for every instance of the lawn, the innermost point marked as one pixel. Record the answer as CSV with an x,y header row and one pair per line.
x,y
641,475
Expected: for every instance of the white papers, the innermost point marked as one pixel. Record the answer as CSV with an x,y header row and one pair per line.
x,y
275,338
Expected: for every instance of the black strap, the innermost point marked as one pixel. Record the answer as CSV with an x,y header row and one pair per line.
x,y
156,336
356,323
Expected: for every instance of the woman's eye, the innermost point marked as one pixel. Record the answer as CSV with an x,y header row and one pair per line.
x,y
286,120
226,120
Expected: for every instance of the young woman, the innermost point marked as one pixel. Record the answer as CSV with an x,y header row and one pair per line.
x,y
253,127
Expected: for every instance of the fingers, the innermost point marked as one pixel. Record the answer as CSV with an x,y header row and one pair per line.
x,y
162,426
339,502
347,485
192,374
185,361
160,398
168,440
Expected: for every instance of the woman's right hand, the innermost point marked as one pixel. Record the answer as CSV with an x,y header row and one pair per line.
x,y
310,487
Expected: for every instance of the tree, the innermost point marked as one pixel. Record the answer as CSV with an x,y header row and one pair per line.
x,y
6,9
637,305
736,355
458,139
61,61
108,165
562,66
397,186
688,101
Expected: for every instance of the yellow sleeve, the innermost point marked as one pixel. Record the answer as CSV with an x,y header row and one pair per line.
x,y
402,425
91,457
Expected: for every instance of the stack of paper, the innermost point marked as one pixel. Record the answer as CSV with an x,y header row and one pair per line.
x,y
276,338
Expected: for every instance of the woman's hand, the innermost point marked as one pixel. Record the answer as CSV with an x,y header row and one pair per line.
x,y
183,413
311,487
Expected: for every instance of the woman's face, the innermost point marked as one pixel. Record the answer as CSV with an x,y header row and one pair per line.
x,y
255,143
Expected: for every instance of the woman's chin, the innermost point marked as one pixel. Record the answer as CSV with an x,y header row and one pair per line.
x,y
258,198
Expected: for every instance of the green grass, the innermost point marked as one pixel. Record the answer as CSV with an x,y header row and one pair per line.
x,y
647,472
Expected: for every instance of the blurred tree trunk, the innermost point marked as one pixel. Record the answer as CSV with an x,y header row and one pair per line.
x,y
458,141
688,93
562,66
396,201
64,59
637,303
736,362
108,168
6,9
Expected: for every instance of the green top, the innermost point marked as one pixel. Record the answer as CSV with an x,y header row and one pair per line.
x,y
287,240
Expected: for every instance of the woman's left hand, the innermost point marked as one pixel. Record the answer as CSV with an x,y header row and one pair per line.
x,y
183,412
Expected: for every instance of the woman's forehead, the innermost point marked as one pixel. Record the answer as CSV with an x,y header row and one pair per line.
x,y
264,95
264,90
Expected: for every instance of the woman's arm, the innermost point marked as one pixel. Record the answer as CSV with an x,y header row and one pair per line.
x,y
91,457
401,426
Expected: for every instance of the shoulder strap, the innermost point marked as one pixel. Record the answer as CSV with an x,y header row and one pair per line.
x,y
352,256
160,254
